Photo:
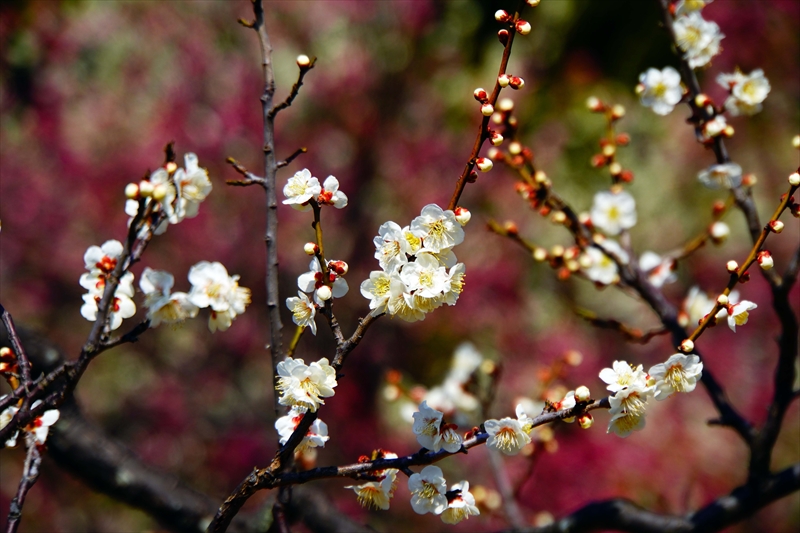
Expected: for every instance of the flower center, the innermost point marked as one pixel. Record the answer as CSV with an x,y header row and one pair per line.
x,y
675,378
428,491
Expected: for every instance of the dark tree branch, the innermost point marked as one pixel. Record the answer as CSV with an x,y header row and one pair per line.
x,y
23,363
292,157
30,473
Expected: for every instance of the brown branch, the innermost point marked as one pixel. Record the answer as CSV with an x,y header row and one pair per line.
x,y
293,93
630,334
30,473
624,515
292,157
249,177
23,363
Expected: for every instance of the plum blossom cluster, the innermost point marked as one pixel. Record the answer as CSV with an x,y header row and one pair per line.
x,y
632,387
100,262
169,195
377,494
304,386
747,91
419,272
317,434
429,494
699,39
37,429
302,188
432,433
697,305
211,287
509,435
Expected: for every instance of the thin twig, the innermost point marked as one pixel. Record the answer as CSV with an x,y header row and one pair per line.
x,y
30,473
23,363
292,157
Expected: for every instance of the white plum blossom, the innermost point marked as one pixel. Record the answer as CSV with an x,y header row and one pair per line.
x,y
424,276
378,290
317,434
377,494
738,313
39,428
391,246
698,38
600,267
454,285
121,305
714,127
613,212
509,435
679,373
213,287
163,305
427,422
401,303
301,188
722,176
622,376
437,228
660,89
305,385
747,91
428,489
659,270
627,410
462,506
193,185
103,258
314,279
303,311
331,195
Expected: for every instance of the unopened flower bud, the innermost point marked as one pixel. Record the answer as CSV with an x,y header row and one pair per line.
x,y
540,176
796,141
310,248
719,231
615,169
340,267
472,177
511,228
728,131
582,394
514,148
702,100
523,27
303,61
324,293
539,254
640,89
617,112
131,191
496,139
687,346
503,79
598,160
145,188
533,3
776,226
748,180
487,109
159,192
505,105
462,215
732,266
484,164
594,103
480,94
585,420
609,150
558,217
502,35
623,139
794,179
557,251
765,260
722,299
494,154
516,82
502,16
171,167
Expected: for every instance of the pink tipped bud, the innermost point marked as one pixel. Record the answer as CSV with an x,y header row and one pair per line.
x,y
728,131
686,346
131,191
494,154
640,89
765,260
585,420
303,61
615,169
484,164
487,109
480,94
502,35
582,394
310,248
539,254
324,293
511,228
502,16
732,266
523,27
794,179
702,100
609,150
516,82
719,231
462,215
722,299
503,80
617,112
496,139
533,3
340,267
472,177
515,148
623,139
145,188
171,167
776,226
594,104
748,180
